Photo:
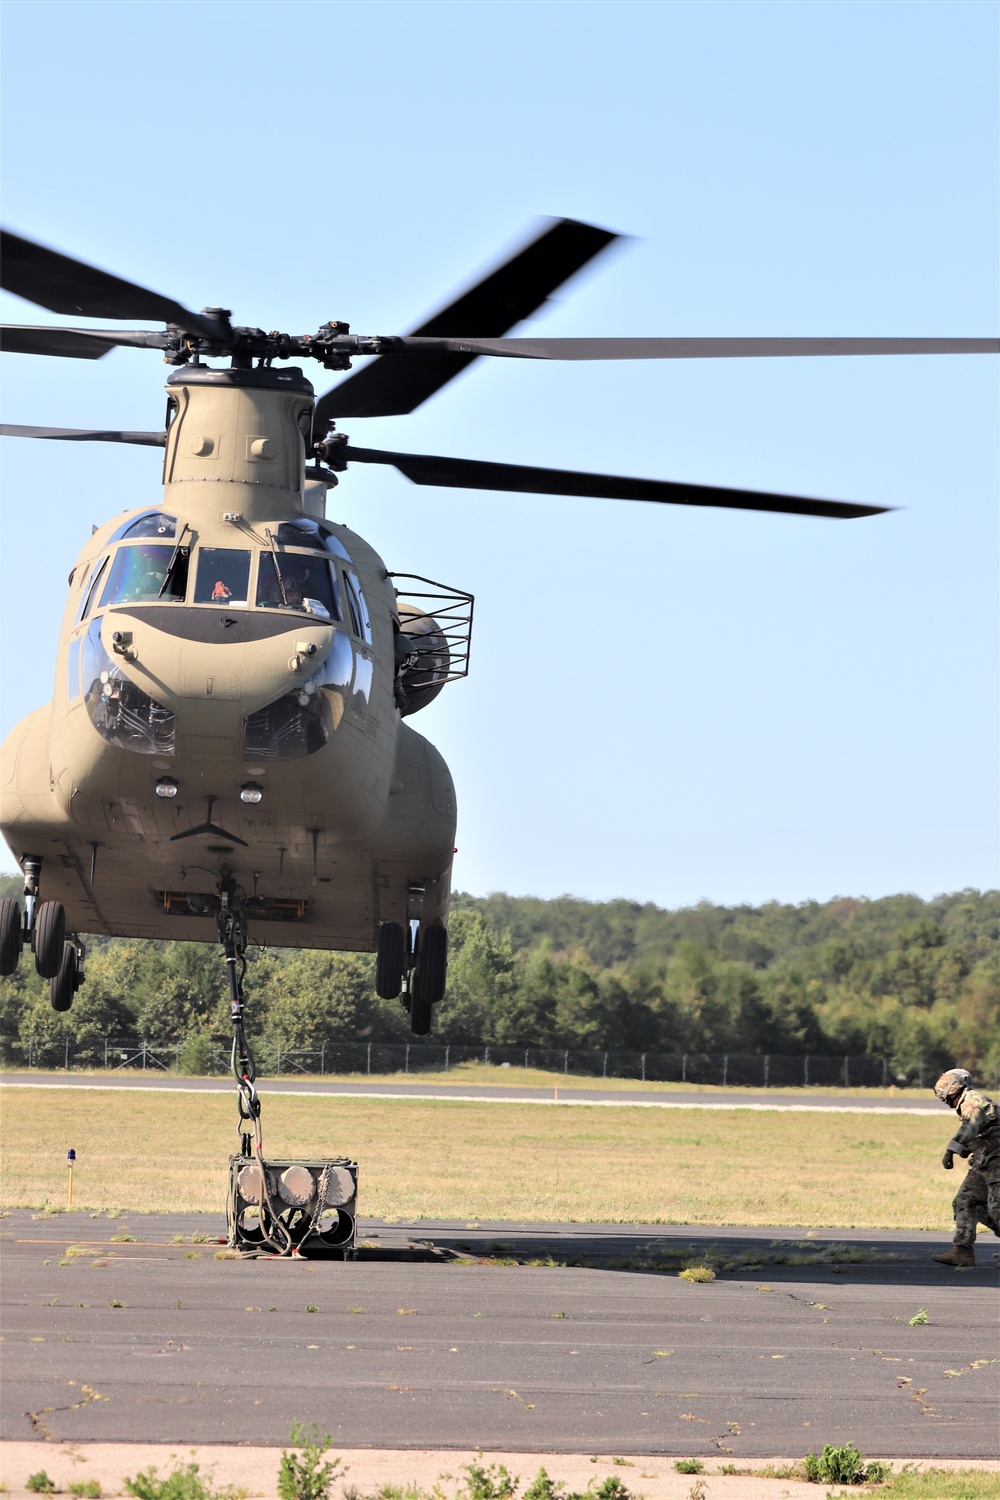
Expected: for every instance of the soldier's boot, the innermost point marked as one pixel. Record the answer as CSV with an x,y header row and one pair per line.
x,y
958,1255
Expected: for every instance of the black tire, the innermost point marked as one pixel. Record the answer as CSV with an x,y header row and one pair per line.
x,y
10,935
63,987
432,962
420,1009
391,960
50,936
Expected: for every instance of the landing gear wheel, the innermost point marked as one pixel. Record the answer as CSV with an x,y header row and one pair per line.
x,y
391,960
10,935
49,938
432,962
63,987
420,1008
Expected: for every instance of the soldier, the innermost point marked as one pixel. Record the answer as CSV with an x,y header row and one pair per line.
x,y
978,1199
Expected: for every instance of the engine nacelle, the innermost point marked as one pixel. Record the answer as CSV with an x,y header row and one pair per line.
x,y
421,637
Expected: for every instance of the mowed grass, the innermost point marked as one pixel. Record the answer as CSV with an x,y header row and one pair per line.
x,y
160,1151
156,1152
500,1075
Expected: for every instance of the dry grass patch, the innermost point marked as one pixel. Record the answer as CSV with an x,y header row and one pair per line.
x,y
467,1160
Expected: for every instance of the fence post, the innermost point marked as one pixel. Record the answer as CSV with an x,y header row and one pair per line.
x,y
605,1073
725,1069
767,1070
684,1068
805,1070
369,1064
526,1057
105,1051
278,1068
144,1054
66,1055
406,1061
920,1072
885,1072
447,1057
847,1075
566,1061
486,1057
322,1059
643,1061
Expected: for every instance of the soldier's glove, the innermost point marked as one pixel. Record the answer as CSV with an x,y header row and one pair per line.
x,y
959,1148
948,1160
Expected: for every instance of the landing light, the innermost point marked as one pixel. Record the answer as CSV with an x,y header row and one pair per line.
x,y
166,787
251,792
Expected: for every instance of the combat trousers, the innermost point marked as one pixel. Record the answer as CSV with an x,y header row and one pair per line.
x,y
977,1202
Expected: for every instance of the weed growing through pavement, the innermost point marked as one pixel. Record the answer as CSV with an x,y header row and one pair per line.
x,y
689,1466
919,1317
307,1475
843,1465
40,1484
697,1273
85,1489
184,1482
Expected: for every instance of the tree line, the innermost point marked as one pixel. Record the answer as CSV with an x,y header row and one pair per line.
x,y
898,977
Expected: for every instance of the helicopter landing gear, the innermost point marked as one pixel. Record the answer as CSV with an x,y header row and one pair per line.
x,y
11,935
390,963
427,982
426,965
44,928
49,937
68,980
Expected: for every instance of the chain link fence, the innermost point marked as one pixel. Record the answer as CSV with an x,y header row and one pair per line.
x,y
203,1055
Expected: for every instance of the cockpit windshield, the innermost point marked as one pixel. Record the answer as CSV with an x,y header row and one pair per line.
x,y
137,574
223,577
298,582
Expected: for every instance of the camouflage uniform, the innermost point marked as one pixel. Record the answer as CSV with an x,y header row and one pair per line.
x,y
978,1199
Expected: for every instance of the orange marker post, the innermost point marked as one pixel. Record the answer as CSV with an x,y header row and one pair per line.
x,y
70,1162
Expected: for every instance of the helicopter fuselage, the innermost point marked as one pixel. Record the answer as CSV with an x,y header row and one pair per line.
x,y
227,704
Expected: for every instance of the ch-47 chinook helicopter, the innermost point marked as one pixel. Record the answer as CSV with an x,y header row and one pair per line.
x,y
228,750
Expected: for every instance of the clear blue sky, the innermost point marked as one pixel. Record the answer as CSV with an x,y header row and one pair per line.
x,y
663,705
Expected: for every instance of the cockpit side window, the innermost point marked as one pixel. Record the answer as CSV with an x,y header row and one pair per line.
x,y
137,574
223,577
358,608
298,582
87,599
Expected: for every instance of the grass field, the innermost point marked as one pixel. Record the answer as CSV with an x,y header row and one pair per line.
x,y
500,1075
154,1152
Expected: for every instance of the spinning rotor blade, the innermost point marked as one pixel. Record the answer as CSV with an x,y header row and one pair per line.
x,y
684,348
85,435
73,343
472,474
511,293
65,285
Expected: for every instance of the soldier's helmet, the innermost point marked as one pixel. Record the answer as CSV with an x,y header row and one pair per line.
x,y
952,1083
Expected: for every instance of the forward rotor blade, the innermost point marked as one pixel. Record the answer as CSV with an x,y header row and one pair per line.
x,y
505,297
73,343
65,285
472,474
684,348
85,435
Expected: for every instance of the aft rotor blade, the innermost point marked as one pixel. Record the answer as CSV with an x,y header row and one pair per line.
x,y
73,343
473,474
85,435
65,285
684,348
509,294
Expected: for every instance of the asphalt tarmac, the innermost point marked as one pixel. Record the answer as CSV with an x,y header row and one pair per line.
x,y
441,1336
612,1098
